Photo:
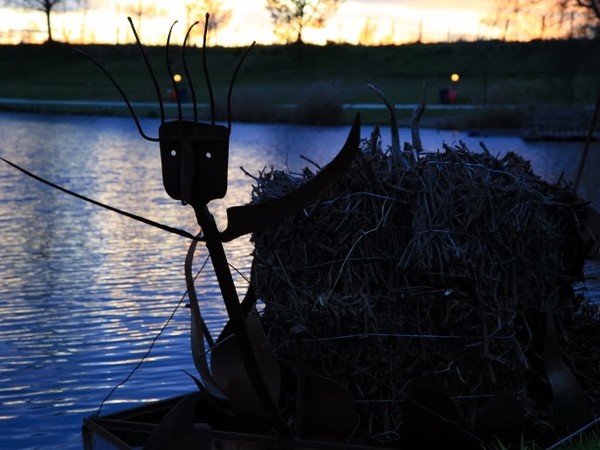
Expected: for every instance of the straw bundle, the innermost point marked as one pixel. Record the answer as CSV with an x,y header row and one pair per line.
x,y
439,271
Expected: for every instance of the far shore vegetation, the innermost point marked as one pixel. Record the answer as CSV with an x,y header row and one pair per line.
x,y
310,84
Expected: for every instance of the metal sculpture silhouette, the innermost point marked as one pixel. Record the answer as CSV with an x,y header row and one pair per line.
x,y
194,158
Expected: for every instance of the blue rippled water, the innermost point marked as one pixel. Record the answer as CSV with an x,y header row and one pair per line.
x,y
83,292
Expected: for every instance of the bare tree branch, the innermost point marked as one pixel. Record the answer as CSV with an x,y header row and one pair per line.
x,y
594,5
45,6
291,17
219,14
539,19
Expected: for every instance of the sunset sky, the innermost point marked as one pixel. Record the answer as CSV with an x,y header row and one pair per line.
x,y
392,21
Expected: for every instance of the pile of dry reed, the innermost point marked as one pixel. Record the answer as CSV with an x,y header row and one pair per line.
x,y
437,269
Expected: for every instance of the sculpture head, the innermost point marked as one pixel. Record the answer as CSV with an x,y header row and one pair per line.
x,y
194,154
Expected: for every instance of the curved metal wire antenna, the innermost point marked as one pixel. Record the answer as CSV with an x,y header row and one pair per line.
x,y
123,95
140,46
170,69
237,69
171,75
206,77
187,72
152,344
97,203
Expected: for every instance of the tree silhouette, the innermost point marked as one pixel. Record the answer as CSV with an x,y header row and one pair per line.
x,y
290,17
527,19
593,5
219,14
45,6
141,10
593,9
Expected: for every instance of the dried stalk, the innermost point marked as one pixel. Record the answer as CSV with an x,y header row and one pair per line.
x,y
388,304
395,148
415,123
588,140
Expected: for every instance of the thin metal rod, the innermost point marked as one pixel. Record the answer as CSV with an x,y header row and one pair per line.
x,y
145,356
206,77
170,69
237,69
236,316
572,435
141,47
122,92
199,329
191,289
588,140
187,72
97,203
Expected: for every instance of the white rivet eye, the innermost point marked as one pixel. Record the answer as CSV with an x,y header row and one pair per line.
x,y
173,152
208,155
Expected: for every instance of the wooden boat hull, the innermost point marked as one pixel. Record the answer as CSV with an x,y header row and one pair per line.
x,y
130,429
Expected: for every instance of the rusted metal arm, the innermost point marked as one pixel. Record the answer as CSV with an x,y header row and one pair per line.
x,y
236,316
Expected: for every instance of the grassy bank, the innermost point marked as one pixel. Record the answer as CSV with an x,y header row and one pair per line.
x,y
320,79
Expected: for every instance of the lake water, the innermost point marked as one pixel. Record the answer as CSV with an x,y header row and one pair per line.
x,y
83,291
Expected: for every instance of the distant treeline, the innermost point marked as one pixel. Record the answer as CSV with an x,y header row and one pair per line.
x,y
491,72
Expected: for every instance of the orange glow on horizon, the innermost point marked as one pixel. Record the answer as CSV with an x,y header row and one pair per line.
x,y
356,22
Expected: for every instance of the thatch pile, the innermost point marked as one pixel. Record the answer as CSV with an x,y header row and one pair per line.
x,y
440,272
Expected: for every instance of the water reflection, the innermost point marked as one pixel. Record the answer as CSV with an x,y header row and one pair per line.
x,y
84,291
